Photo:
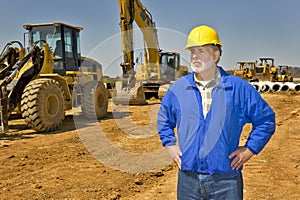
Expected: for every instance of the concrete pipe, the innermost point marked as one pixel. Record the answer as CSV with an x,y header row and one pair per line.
x,y
293,86
255,85
275,86
264,87
285,87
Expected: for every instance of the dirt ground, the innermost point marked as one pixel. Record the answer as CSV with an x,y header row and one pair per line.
x,y
125,159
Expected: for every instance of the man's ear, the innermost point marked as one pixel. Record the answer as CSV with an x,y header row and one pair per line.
x,y
217,56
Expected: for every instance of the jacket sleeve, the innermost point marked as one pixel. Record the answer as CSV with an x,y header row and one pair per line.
x,y
262,117
166,120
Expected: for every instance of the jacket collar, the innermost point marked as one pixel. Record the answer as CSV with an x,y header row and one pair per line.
x,y
224,83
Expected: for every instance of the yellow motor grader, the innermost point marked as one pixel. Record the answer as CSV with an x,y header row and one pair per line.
x,y
51,78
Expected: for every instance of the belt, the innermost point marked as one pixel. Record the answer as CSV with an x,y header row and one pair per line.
x,y
195,174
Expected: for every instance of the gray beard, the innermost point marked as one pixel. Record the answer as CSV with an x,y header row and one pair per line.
x,y
204,67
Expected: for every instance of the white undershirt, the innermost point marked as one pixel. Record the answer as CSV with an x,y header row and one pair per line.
x,y
204,83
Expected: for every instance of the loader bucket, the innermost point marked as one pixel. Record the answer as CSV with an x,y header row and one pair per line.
x,y
129,96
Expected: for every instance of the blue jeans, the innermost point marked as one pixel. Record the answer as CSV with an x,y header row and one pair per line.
x,y
205,186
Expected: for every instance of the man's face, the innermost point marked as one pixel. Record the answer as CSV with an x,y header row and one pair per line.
x,y
202,58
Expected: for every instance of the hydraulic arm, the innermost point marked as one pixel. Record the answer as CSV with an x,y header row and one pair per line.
x,y
129,90
11,55
10,95
130,11
159,68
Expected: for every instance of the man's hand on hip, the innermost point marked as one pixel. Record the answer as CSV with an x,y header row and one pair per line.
x,y
241,155
175,154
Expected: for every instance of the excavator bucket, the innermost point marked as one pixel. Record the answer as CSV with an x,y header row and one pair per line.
x,y
129,96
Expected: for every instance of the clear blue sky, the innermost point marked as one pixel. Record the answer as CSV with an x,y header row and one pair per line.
x,y
247,29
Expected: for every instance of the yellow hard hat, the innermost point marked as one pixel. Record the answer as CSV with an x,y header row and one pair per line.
x,y
202,35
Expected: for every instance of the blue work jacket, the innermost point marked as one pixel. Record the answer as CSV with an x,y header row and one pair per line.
x,y
206,143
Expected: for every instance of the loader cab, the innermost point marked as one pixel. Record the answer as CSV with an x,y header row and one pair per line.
x,y
64,41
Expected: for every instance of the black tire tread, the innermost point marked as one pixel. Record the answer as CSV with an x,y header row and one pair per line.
x,y
32,102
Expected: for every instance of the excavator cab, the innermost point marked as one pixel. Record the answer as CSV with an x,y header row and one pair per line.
x,y
169,62
64,40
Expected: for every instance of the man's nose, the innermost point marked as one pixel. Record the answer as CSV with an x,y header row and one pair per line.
x,y
194,55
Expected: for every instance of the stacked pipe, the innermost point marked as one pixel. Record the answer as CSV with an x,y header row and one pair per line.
x,y
275,86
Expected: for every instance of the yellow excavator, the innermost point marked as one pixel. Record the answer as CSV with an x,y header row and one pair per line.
x,y
159,68
51,78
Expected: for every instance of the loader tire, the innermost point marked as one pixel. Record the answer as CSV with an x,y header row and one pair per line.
x,y
43,105
95,100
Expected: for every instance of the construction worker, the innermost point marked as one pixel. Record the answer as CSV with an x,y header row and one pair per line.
x,y
58,48
209,108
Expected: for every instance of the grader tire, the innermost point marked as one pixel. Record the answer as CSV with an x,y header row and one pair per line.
x,y
95,100
43,105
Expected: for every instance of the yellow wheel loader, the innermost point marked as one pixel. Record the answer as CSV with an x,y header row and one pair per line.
x,y
51,78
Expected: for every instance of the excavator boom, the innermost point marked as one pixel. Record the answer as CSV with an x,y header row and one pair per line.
x,y
130,11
